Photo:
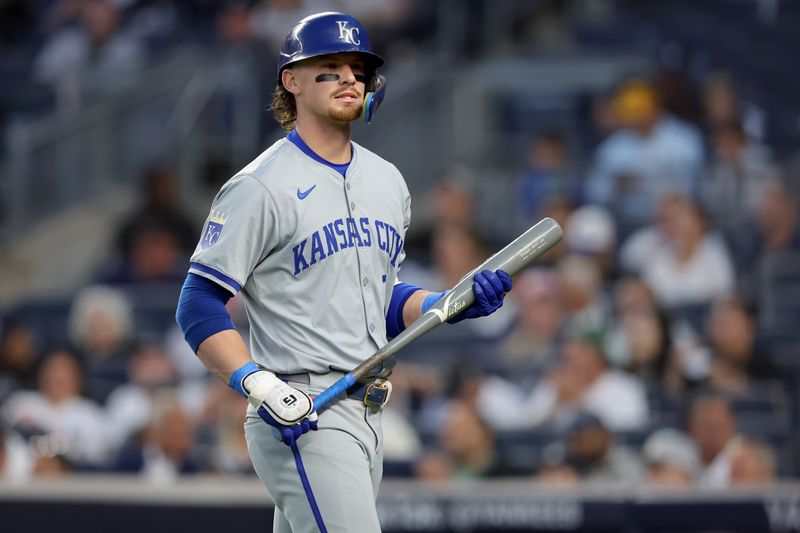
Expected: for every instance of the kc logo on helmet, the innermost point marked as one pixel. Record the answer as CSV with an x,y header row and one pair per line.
x,y
351,35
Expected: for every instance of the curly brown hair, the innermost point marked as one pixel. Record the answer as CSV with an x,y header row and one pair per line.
x,y
284,108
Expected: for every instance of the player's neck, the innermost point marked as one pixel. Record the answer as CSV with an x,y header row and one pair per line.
x,y
330,141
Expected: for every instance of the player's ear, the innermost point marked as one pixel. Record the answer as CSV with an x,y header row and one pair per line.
x,y
289,81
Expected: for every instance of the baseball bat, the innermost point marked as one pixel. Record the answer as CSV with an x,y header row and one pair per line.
x,y
513,258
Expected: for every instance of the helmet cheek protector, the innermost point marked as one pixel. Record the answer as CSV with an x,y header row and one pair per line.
x,y
373,97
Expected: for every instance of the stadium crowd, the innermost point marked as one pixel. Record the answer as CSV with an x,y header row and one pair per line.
x,y
657,343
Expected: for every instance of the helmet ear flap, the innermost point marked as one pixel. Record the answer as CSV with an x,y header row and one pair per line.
x,y
374,97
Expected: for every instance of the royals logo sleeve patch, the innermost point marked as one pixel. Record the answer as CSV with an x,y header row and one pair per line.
x,y
213,229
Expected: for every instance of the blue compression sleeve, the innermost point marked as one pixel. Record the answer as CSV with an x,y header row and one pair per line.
x,y
394,317
201,309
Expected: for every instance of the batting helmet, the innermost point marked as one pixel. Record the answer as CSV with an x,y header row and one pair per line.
x,y
333,33
326,33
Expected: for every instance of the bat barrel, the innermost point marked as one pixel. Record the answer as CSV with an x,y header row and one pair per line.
x,y
525,248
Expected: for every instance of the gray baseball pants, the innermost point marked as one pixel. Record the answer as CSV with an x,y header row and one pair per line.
x,y
343,461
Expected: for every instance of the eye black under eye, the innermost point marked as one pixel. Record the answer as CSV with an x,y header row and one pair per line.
x,y
361,78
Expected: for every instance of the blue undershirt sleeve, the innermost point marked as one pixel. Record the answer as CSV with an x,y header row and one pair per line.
x,y
201,310
394,317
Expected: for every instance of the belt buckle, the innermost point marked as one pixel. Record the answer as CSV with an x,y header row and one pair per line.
x,y
377,393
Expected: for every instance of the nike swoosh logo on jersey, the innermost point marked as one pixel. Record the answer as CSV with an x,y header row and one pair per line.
x,y
302,195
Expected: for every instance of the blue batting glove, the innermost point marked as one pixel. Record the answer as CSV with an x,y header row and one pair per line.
x,y
490,289
288,434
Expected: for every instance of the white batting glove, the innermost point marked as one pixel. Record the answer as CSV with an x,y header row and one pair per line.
x,y
286,405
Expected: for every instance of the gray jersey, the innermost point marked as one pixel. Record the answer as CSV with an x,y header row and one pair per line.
x,y
314,254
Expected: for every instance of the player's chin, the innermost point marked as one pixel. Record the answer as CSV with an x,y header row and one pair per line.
x,y
345,113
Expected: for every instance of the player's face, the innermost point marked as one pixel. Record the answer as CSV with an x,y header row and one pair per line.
x,y
332,86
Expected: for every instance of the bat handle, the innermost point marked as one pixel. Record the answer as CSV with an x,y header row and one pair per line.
x,y
326,397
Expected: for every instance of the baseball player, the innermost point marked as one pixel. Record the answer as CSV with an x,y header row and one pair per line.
x,y
311,233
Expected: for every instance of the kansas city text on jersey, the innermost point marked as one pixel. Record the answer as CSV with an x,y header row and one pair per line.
x,y
345,233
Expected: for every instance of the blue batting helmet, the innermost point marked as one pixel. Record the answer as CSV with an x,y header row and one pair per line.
x,y
326,33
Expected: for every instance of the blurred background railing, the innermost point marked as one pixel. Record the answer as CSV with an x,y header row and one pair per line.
x,y
208,504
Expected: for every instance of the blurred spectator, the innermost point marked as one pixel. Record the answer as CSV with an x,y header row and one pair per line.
x,y
554,469
248,65
640,246
546,176
723,105
736,180
595,456
632,296
641,343
101,329
220,430
156,239
456,250
587,306
590,231
752,464
720,101
165,449
732,339
270,18
56,412
451,200
159,201
18,358
130,406
467,449
50,462
772,282
155,257
16,459
779,220
676,86
581,382
683,262
95,57
396,27
653,153
638,339
401,440
672,459
712,427
535,341
379,14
